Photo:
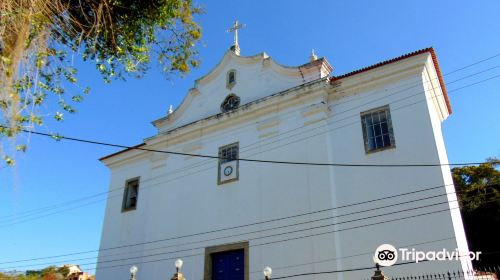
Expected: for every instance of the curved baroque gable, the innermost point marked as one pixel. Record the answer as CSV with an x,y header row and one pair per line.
x,y
254,77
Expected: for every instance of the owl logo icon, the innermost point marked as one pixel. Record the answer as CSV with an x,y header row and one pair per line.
x,y
386,255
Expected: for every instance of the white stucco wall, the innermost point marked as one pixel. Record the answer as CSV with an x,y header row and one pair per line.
x,y
179,195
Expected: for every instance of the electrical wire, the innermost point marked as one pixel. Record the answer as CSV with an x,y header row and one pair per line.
x,y
419,82
304,236
354,255
262,151
338,271
466,86
255,160
239,226
283,240
299,237
278,227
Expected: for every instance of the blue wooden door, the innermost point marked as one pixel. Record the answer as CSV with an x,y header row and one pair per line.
x,y
228,265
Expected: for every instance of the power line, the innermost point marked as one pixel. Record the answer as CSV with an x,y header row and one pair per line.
x,y
279,140
273,235
355,255
360,254
288,239
472,64
338,271
3,225
250,160
257,153
257,160
281,145
285,240
332,129
265,243
294,238
182,176
36,210
239,226
278,227
418,83
475,83
106,192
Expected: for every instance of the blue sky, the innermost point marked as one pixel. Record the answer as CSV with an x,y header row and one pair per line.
x,y
349,34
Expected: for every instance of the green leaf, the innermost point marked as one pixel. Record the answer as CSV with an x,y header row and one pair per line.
x,y
77,98
56,137
37,120
59,116
21,148
39,98
8,160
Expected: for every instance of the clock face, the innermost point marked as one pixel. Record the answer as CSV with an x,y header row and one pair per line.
x,y
228,170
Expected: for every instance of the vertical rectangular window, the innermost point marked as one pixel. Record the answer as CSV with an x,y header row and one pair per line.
x,y
230,79
130,195
228,163
377,129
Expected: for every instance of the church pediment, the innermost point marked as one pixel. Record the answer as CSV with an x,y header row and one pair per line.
x,y
237,80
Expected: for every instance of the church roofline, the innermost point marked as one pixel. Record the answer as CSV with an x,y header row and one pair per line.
x,y
316,63
122,151
243,106
399,58
321,62
229,53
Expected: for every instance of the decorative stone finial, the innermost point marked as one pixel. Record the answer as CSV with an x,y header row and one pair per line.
x,y
170,109
313,56
236,47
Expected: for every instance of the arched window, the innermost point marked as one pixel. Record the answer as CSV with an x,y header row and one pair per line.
x,y
231,79
231,102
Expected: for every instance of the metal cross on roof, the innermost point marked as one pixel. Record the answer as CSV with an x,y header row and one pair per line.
x,y
234,29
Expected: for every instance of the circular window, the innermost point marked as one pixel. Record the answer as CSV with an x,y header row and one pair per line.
x,y
231,102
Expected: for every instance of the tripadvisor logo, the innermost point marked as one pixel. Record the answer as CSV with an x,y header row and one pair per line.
x,y
387,255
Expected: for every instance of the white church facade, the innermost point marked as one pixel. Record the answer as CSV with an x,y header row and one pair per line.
x,y
343,170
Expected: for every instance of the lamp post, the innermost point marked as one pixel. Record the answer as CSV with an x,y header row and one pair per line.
x,y
133,272
178,275
379,274
267,272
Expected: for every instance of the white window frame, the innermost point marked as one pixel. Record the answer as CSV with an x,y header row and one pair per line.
x,y
377,135
129,184
222,160
230,85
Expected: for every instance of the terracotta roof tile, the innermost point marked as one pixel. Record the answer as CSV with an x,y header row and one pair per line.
x,y
380,64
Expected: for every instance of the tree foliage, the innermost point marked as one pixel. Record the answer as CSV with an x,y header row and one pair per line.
x,y
478,189
477,185
48,273
40,38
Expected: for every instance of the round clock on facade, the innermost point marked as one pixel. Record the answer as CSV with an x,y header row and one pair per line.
x,y
228,170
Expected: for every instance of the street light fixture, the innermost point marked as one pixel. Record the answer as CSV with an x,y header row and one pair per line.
x,y
133,272
178,264
267,272
178,275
